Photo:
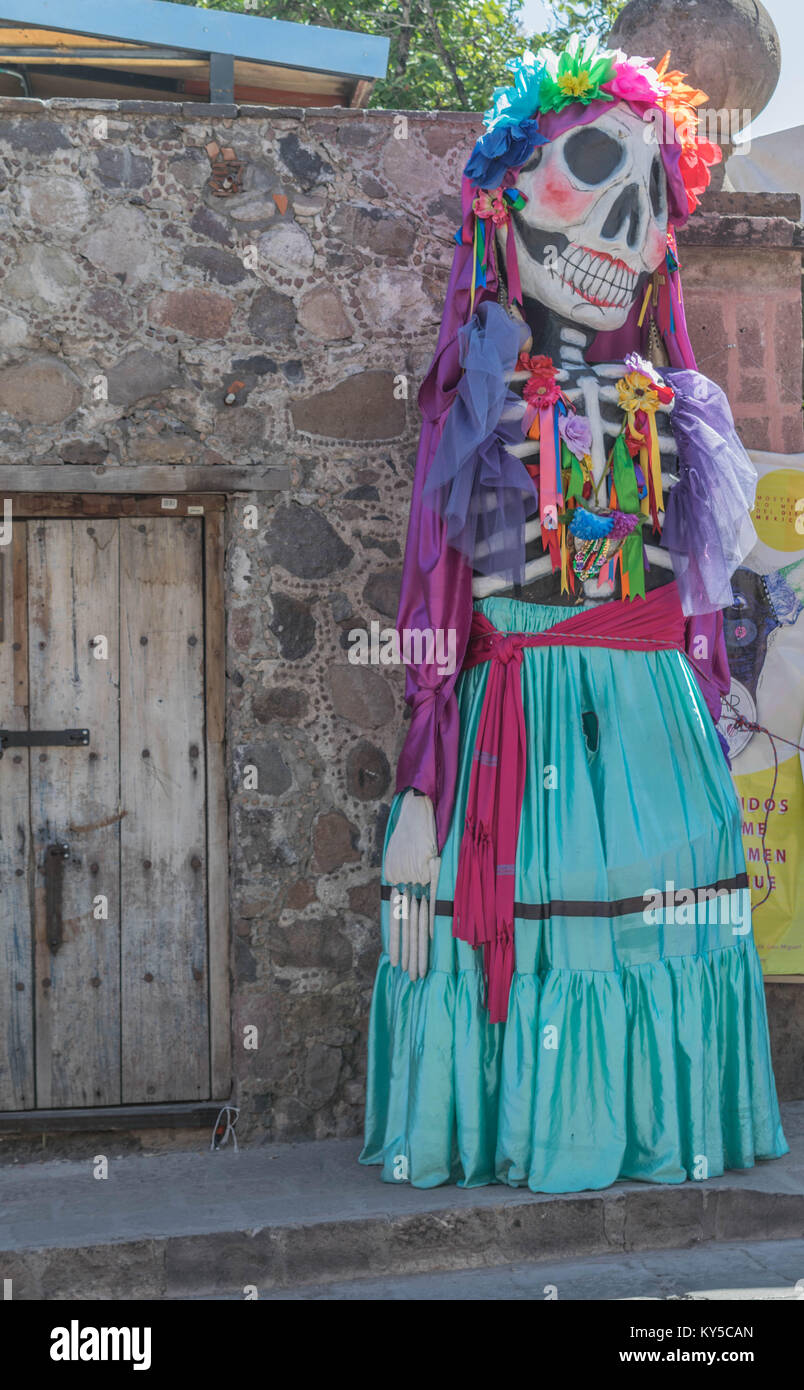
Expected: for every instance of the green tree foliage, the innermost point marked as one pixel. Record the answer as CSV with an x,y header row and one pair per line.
x,y
445,54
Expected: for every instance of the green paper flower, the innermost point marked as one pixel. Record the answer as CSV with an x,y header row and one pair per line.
x,y
577,74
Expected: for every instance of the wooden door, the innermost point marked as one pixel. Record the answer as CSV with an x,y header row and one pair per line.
x,y
107,947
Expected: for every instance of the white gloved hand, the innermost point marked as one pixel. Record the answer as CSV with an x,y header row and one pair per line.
x,y
412,858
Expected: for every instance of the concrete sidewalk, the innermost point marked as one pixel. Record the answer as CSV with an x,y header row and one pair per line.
x,y
285,1216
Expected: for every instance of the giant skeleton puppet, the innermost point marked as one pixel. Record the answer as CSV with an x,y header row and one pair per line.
x,y
569,991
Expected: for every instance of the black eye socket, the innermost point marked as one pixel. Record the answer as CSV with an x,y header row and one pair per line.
x,y
592,155
657,185
535,159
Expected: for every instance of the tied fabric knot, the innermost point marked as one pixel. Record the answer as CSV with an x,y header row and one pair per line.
x,y
509,648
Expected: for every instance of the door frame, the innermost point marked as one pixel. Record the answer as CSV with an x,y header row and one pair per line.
x,y
210,508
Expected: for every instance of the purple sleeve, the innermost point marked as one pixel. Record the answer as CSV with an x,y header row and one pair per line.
x,y
436,598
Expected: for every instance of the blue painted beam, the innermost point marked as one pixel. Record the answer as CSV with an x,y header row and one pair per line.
x,y
308,47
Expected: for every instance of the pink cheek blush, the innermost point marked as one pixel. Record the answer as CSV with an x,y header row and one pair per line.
x,y
557,195
655,245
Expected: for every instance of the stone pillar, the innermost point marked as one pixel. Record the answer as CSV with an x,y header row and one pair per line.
x,y
740,258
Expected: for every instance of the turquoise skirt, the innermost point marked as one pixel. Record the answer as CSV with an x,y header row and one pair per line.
x,y
636,1044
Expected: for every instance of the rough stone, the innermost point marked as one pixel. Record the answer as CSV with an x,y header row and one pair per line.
x,y
119,167
40,391
216,265
37,135
322,313
240,427
321,1073
273,774
367,772
294,625
305,165
272,314
45,276
122,244
190,169
311,945
335,841
52,201
378,231
88,452
381,590
262,839
361,407
396,297
303,542
278,703
198,313
287,246
361,695
14,331
207,224
139,375
364,898
110,306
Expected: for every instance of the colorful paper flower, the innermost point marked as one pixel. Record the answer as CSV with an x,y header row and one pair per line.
x,y
541,389
635,80
511,105
576,433
491,205
679,101
577,75
505,147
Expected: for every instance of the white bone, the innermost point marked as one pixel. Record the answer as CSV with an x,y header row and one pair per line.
x,y
435,872
413,947
424,939
403,960
413,842
394,927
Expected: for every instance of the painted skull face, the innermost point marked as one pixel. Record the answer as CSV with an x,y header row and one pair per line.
x,y
595,223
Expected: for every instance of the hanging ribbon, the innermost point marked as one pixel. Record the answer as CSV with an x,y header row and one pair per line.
x,y
495,206
640,397
625,496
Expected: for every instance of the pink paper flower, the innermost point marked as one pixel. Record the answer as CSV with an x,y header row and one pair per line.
x,y
635,80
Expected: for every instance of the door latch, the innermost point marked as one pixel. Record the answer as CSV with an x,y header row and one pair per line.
x,y
43,738
55,856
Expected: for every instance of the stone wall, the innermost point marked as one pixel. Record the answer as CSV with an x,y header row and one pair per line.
x,y
133,301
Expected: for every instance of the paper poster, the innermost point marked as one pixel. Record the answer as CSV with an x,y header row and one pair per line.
x,y
765,641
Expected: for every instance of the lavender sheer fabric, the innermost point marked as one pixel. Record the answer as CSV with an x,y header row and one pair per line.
x,y
707,529
484,493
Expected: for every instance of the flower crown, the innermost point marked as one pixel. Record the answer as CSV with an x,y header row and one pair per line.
x,y
584,73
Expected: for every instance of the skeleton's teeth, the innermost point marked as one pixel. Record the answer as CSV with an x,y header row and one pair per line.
x,y
597,277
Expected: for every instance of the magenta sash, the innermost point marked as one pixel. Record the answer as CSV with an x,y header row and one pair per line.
x,y
484,890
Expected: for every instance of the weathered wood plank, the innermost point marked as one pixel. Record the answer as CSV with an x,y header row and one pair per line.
x,y
166,478
164,956
215,628
72,601
103,1119
76,504
16,973
217,810
220,1024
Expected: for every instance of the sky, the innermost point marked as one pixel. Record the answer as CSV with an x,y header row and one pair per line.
x,y
786,106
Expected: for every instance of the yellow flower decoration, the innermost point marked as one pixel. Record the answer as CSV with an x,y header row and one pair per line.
x,y
636,392
575,84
